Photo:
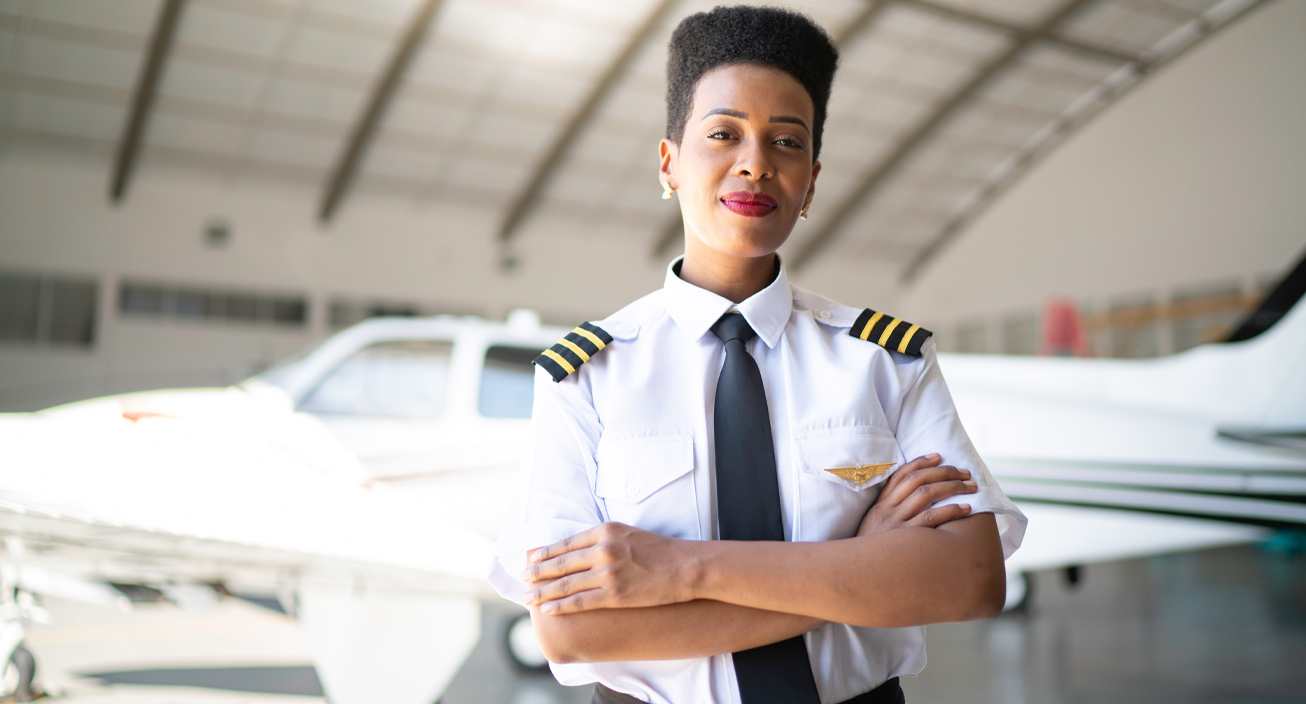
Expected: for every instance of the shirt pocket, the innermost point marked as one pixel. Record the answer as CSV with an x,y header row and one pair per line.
x,y
649,483
834,502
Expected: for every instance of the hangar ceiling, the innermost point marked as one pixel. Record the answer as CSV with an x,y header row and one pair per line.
x,y
550,110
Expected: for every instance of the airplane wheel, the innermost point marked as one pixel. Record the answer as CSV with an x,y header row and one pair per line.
x,y
1018,591
522,647
16,680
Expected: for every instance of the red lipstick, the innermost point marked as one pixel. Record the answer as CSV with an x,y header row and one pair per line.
x,y
752,205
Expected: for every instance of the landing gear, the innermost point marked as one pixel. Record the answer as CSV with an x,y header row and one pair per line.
x,y
521,645
16,679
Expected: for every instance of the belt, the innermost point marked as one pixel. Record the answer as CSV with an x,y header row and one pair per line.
x,y
888,693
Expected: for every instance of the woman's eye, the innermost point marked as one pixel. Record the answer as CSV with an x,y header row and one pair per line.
x,y
789,142
720,134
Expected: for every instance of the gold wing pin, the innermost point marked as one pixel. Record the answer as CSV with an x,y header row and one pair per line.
x,y
860,474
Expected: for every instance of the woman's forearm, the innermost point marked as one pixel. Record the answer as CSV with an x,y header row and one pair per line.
x,y
691,629
906,577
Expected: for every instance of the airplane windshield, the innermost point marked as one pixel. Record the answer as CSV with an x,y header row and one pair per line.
x,y
507,383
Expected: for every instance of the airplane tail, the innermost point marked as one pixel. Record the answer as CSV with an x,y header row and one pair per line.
x,y
1272,342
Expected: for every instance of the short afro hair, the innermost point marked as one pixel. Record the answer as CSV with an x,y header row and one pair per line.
x,y
768,36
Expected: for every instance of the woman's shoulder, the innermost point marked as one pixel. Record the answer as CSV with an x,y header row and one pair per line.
x,y
825,310
625,324
893,334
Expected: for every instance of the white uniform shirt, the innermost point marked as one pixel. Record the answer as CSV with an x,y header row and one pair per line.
x,y
627,438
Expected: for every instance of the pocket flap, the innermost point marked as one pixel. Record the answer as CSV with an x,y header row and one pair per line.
x,y
861,457
632,469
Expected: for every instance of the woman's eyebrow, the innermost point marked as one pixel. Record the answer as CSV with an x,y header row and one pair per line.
x,y
792,120
725,111
744,116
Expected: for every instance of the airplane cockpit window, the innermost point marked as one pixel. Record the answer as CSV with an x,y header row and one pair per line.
x,y
508,383
399,378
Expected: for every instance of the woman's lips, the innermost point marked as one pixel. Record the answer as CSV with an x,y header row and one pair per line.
x,y
752,205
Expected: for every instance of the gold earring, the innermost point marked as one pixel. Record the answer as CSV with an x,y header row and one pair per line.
x,y
803,213
666,191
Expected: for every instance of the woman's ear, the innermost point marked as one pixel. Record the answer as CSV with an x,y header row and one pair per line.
x,y
811,188
667,153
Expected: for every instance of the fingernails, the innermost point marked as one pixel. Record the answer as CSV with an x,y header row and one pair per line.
x,y
532,597
932,456
965,473
533,556
970,485
965,508
549,608
525,575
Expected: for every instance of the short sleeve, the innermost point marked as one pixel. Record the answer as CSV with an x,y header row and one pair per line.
x,y
553,496
928,422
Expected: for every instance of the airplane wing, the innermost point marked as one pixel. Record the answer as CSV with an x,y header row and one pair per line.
x,y
245,490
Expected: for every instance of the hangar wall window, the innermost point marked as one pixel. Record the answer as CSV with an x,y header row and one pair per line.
x,y
971,337
395,379
1207,313
507,383
44,309
1020,334
155,300
343,312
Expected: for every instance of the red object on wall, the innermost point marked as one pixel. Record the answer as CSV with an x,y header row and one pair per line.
x,y
1063,330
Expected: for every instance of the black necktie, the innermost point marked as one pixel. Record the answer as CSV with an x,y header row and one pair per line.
x,y
748,508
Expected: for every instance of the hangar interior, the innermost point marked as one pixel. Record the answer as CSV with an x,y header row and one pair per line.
x,y
981,164
193,191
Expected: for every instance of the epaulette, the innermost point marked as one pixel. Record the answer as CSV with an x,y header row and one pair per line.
x,y
583,342
889,332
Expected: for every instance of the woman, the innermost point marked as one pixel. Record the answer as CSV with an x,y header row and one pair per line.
x,y
717,506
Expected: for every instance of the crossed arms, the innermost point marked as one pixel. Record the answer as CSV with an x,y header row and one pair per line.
x,y
909,564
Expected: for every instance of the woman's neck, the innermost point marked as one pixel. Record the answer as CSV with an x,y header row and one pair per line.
x,y
735,278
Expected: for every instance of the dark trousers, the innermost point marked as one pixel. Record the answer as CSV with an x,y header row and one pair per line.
x,y
888,693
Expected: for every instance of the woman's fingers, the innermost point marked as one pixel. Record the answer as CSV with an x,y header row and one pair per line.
x,y
567,563
580,601
937,516
914,479
907,468
564,587
583,539
926,495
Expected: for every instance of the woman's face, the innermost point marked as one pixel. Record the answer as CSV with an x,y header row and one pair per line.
x,y
744,169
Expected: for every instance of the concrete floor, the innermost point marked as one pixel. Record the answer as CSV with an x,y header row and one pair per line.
x,y
1224,625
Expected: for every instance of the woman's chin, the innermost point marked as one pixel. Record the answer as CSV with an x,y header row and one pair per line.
x,y
745,243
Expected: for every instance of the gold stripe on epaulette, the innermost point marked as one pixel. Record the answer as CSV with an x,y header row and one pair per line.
x,y
590,336
891,333
574,348
888,330
906,338
866,332
558,358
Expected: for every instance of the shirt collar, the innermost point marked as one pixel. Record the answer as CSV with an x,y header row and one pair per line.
x,y
696,309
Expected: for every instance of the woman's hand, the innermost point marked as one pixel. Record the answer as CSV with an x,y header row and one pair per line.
x,y
909,495
611,565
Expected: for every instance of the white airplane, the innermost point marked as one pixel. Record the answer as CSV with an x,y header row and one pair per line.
x,y
362,482
1114,459
358,485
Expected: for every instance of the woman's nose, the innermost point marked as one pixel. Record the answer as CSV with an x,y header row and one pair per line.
x,y
753,161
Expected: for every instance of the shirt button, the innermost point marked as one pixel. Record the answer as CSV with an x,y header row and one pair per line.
x,y
632,489
823,315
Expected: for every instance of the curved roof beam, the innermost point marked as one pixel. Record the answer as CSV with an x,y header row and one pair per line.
x,y
360,137
977,19
1115,86
863,21
552,161
130,146
873,179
